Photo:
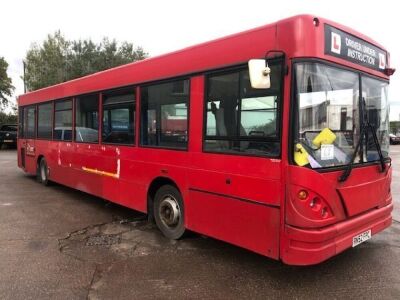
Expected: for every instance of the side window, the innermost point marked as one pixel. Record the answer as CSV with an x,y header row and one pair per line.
x,y
87,119
29,122
164,114
240,119
63,120
119,117
45,121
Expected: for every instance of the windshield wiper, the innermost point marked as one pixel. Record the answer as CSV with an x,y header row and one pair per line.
x,y
347,172
364,132
378,147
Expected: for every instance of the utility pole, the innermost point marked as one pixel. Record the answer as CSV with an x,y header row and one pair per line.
x,y
23,62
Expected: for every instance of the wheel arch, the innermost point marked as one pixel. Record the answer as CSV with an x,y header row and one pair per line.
x,y
40,157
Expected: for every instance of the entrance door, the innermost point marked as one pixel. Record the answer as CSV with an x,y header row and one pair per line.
x,y
20,140
22,153
28,160
235,175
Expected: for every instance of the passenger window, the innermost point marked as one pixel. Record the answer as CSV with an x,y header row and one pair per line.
x,y
45,121
63,120
87,119
241,119
119,117
30,121
164,114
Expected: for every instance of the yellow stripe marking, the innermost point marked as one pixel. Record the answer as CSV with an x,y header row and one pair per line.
x,y
98,172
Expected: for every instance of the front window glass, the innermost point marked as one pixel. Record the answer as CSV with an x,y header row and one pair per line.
x,y
375,94
330,116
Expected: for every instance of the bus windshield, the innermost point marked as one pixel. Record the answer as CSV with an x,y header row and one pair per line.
x,y
331,113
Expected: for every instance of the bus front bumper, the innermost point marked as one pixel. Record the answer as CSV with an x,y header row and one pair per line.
x,y
312,246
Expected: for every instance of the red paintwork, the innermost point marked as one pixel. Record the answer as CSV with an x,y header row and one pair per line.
x,y
306,247
278,225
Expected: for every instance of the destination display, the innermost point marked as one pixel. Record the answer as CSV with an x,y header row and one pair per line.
x,y
346,46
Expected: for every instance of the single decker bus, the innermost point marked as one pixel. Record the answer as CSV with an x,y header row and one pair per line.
x,y
274,139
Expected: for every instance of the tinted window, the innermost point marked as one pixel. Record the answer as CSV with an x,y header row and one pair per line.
x,y
241,119
119,117
29,124
45,120
164,114
87,119
63,120
20,122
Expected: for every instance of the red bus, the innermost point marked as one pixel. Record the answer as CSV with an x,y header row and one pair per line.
x,y
274,139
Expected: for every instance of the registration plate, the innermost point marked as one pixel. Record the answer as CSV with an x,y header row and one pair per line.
x,y
361,238
8,141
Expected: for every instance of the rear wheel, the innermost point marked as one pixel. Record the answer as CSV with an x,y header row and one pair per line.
x,y
168,212
43,172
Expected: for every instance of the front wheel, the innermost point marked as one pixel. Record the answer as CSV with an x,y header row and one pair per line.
x,y
43,172
168,212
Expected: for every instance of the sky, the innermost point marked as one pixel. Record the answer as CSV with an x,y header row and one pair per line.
x,y
164,26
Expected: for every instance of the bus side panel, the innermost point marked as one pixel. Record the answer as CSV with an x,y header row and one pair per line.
x,y
30,156
44,148
57,156
59,162
147,164
131,190
251,226
133,195
112,183
86,160
236,199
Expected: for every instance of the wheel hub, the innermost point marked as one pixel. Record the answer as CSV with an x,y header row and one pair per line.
x,y
170,212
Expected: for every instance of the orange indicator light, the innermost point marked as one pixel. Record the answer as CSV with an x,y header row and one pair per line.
x,y
302,195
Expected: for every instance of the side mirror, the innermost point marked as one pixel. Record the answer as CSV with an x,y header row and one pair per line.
x,y
259,74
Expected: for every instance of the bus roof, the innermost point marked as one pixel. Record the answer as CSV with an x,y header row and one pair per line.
x,y
297,36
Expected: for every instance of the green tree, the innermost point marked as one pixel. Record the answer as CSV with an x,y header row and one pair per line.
x,y
6,87
58,60
10,118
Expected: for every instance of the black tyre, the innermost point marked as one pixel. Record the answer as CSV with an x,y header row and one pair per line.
x,y
43,172
169,212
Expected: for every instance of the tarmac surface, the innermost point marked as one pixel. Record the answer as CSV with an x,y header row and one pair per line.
x,y
58,243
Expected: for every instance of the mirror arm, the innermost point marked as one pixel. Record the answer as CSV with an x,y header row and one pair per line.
x,y
270,54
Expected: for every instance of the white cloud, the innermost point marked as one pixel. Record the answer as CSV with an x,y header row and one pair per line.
x,y
163,26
